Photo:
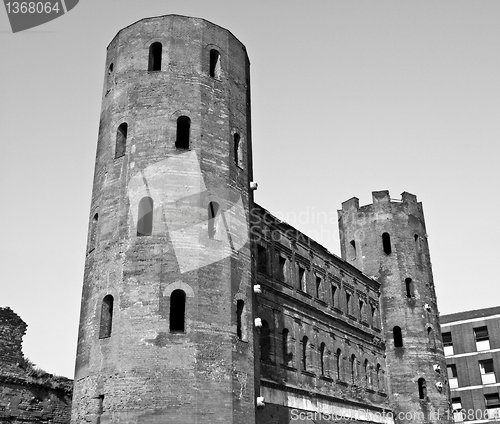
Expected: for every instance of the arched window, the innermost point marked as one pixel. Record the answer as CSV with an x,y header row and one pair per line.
x,y
422,389
237,150
240,306
213,220
431,338
398,337
354,366
322,358
154,63
304,353
409,288
106,317
284,346
183,131
367,373
93,232
121,140
214,63
338,358
177,311
386,243
145,217
265,342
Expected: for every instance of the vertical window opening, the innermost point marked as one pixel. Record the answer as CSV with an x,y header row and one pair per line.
x,y
145,217
183,132
284,346
482,338
281,268
213,220
265,342
334,294
318,286
93,232
422,389
322,358
177,311
100,408
448,344
302,279
378,377
431,338
338,358
362,310
398,337
487,371
492,402
121,140
386,243
353,244
348,298
240,306
409,288
304,353
106,317
262,259
452,376
155,51
367,373
353,368
238,159
214,63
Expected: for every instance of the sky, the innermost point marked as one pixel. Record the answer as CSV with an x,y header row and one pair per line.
x,y
348,97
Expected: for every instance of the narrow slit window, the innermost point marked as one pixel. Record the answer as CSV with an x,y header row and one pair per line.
x,y
409,288
348,298
318,286
106,317
214,64
284,341
386,243
353,368
262,259
422,389
322,349
378,376
177,311
367,373
183,132
237,150
155,51
302,279
431,338
240,307
353,245
145,217
93,232
121,140
282,268
305,340
334,296
213,220
338,359
398,337
362,311
265,342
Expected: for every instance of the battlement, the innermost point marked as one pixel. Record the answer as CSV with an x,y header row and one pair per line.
x,y
382,200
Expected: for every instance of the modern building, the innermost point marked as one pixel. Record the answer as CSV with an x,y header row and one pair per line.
x,y
472,350
198,305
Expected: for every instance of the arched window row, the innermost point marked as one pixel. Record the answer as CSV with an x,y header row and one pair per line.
x,y
321,360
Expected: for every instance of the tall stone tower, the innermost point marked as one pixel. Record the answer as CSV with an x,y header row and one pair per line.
x,y
166,317
387,240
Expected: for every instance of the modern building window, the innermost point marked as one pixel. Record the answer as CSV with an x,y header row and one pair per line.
x,y
214,218
285,340
305,341
452,376
487,371
240,307
458,415
302,278
262,259
183,132
214,64
398,336
322,358
492,402
409,288
448,344
318,286
281,268
265,342
422,389
106,323
338,359
121,140
155,51
386,243
177,311
145,217
482,338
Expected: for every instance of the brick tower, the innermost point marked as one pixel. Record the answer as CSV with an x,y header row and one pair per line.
x,y
166,316
387,240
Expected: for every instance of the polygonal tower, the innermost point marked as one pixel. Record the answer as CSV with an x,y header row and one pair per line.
x,y
387,240
166,317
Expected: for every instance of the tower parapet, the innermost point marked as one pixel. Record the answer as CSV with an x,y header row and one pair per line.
x,y
388,241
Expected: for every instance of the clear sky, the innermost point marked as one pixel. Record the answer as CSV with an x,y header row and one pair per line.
x,y
348,97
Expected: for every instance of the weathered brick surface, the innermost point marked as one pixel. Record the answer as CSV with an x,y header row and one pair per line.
x,y
409,258
28,395
143,372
